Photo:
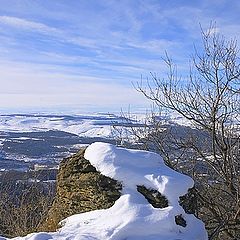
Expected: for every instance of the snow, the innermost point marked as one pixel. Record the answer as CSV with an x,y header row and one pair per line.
x,y
94,125
84,125
26,138
132,217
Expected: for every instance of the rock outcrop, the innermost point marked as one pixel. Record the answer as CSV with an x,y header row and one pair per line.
x,y
135,194
80,188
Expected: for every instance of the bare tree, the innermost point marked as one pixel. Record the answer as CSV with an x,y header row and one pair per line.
x,y
210,100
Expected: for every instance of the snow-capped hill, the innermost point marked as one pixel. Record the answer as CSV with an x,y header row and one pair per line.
x,y
132,217
91,125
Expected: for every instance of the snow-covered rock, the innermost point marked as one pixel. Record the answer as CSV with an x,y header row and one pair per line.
x,y
132,217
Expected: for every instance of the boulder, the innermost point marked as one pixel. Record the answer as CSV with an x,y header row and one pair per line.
x,y
80,188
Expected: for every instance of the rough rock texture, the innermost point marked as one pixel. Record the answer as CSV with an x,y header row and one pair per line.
x,y
80,188
189,201
155,198
179,220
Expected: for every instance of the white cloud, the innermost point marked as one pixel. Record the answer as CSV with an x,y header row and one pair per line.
x,y
93,52
27,25
29,85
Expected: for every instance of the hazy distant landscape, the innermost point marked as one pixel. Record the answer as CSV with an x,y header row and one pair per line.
x,y
27,140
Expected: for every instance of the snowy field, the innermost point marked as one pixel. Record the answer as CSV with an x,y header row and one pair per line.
x,y
84,125
91,125
46,139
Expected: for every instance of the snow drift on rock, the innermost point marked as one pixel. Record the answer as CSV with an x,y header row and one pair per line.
x,y
132,217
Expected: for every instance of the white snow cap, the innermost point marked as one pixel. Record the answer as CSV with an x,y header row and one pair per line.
x,y
132,217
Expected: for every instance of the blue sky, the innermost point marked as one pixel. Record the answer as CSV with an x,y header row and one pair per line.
x,y
86,54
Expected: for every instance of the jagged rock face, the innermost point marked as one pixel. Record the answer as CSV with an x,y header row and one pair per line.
x,y
80,188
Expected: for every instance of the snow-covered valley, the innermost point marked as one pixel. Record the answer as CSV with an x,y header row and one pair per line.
x,y
27,139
